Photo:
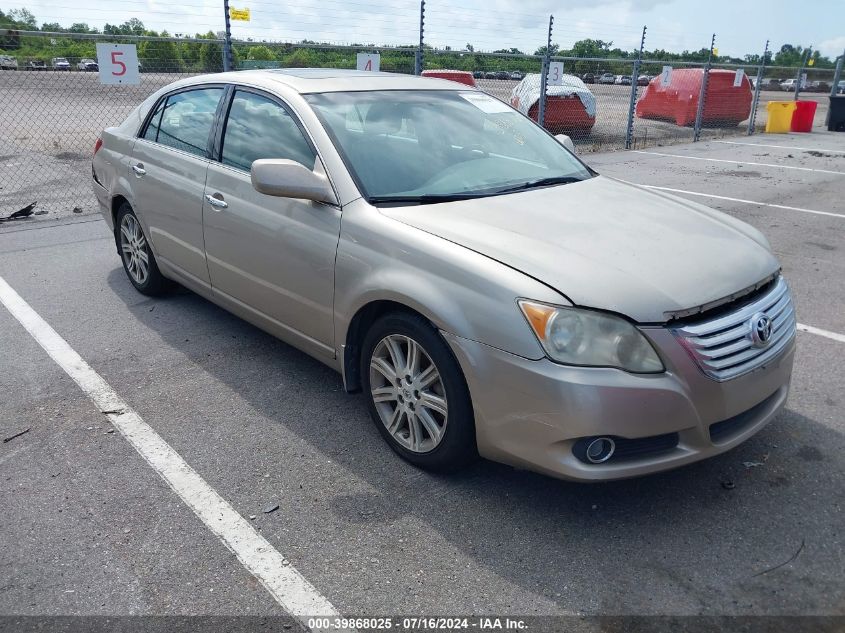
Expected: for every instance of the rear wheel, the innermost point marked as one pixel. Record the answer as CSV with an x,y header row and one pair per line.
x,y
416,393
138,260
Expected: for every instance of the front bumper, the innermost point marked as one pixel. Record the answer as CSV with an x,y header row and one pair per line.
x,y
530,413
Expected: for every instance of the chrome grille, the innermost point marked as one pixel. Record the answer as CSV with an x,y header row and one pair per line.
x,y
727,347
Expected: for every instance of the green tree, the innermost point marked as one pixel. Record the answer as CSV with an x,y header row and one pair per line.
x,y
554,50
591,48
24,19
160,56
260,53
211,57
81,27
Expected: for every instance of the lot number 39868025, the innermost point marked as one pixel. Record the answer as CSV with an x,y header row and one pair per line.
x,y
118,63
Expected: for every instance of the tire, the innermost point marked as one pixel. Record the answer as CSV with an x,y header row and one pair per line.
x,y
422,434
133,248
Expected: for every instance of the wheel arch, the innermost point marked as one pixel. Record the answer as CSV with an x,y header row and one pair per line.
x,y
359,324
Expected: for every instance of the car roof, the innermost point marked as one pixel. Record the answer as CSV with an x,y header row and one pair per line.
x,y
315,80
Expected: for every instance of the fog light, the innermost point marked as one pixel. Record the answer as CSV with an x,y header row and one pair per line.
x,y
594,450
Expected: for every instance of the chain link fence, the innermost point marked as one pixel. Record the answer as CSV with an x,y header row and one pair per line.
x,y
52,112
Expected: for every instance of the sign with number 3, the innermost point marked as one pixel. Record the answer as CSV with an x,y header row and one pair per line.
x,y
118,64
555,77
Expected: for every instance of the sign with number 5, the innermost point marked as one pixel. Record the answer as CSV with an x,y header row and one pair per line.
x,y
118,64
555,77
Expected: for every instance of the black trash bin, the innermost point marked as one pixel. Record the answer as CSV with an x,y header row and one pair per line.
x,y
836,114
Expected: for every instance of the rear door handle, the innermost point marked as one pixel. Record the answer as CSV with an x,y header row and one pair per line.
x,y
138,168
216,200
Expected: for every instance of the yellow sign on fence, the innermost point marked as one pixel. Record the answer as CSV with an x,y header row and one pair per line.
x,y
239,14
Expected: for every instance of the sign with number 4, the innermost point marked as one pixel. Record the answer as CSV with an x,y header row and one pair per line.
x,y
555,77
369,61
118,64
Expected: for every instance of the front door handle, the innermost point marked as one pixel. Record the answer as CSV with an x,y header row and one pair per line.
x,y
138,168
216,200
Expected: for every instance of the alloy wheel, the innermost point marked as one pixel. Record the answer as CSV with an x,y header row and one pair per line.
x,y
408,393
133,248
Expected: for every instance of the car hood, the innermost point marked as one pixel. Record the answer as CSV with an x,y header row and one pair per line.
x,y
606,244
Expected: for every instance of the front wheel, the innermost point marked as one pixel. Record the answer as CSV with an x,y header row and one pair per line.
x,y
136,255
416,393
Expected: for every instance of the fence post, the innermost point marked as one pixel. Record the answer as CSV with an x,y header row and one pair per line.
x,y
544,74
804,59
756,101
227,43
702,95
837,74
835,87
418,66
629,131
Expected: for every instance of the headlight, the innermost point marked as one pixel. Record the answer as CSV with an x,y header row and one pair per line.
x,y
584,337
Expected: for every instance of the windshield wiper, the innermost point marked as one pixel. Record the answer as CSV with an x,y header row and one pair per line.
x,y
542,182
432,198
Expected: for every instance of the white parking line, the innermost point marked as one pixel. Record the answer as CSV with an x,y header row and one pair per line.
x,y
818,331
797,149
293,592
741,162
762,204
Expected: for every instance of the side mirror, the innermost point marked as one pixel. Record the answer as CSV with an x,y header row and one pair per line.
x,y
564,140
288,179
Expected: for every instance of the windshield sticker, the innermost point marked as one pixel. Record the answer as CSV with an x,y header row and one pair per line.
x,y
485,103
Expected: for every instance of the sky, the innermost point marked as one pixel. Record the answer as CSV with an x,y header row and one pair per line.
x,y
741,26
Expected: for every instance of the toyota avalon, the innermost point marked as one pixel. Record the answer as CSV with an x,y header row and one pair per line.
x,y
488,292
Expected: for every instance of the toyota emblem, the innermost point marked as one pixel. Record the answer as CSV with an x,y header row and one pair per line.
x,y
761,329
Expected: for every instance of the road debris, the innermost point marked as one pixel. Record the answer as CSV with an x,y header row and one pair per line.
x,y
21,214
727,484
270,509
791,558
11,437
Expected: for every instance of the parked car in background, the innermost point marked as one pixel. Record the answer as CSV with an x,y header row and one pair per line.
x,y
60,63
36,64
570,107
478,74
788,85
502,74
724,104
7,62
489,75
633,333
625,80
643,80
607,78
588,78
87,65
817,86
517,75
460,76
840,87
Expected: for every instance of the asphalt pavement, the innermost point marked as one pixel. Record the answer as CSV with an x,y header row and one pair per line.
x,y
90,528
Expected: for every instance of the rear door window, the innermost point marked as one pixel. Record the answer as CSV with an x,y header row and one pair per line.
x,y
187,119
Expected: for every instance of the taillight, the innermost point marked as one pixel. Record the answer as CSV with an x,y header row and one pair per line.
x,y
97,146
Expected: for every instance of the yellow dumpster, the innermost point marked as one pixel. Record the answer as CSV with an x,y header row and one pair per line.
x,y
779,116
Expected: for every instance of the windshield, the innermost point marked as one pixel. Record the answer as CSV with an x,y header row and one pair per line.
x,y
430,145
